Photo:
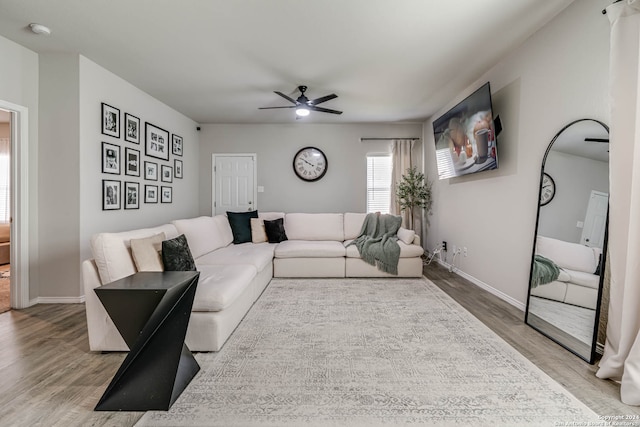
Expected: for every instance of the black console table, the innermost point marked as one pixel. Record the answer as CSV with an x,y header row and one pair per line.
x,y
151,311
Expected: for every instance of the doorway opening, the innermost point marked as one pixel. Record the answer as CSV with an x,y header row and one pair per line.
x,y
5,210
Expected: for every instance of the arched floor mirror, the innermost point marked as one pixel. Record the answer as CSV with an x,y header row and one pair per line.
x,y
570,241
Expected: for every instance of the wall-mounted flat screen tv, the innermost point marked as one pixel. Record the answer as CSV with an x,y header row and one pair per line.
x,y
465,137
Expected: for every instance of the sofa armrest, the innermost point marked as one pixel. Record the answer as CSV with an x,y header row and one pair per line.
x,y
416,240
103,335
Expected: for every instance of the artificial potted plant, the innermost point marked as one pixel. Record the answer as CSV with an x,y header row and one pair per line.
x,y
414,191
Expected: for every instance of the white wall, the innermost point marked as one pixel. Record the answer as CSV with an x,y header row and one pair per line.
x,y
19,86
59,183
99,85
558,75
342,189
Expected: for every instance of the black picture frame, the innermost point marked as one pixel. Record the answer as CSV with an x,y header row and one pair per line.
x,y
177,168
110,158
110,120
131,162
150,171
166,173
176,145
131,128
131,195
166,194
156,141
111,194
151,194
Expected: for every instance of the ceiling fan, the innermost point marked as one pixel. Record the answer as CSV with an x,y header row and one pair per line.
x,y
304,105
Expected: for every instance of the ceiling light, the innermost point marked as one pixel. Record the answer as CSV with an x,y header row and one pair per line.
x,y
40,29
302,111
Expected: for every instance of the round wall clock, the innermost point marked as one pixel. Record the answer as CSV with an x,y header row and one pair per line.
x,y
548,189
310,164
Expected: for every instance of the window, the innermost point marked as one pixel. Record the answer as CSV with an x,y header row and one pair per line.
x,y
378,183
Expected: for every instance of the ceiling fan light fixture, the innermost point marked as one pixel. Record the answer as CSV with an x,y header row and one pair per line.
x,y
302,111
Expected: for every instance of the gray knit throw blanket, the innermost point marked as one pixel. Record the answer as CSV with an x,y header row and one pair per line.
x,y
378,241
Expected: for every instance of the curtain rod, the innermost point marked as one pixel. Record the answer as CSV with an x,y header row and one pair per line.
x,y
386,139
604,11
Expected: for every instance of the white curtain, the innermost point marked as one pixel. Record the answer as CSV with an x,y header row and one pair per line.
x,y
621,359
5,183
401,154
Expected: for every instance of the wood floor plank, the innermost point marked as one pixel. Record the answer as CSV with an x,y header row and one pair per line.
x,y
50,378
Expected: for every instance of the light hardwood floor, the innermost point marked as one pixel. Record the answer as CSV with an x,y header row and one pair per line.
x,y
48,377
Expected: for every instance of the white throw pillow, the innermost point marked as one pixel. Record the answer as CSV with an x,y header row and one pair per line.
x,y
147,253
258,232
406,235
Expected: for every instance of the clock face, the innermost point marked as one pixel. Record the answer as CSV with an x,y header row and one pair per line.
x,y
310,164
548,189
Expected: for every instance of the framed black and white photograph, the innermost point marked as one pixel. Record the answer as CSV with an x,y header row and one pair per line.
x,y
131,195
150,171
110,195
166,195
176,145
177,168
110,158
110,120
151,194
166,173
131,162
156,142
131,128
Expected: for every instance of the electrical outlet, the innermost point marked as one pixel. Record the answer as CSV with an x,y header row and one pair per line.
x,y
464,251
454,249
444,245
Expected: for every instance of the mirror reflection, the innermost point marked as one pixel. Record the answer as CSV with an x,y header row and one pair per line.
x,y
568,262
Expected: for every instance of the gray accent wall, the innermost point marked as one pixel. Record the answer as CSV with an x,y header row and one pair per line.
x,y
556,76
342,189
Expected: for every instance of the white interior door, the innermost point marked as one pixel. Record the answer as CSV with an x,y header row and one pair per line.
x,y
595,220
234,183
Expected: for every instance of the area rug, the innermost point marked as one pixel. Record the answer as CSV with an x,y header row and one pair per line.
x,y
366,352
5,285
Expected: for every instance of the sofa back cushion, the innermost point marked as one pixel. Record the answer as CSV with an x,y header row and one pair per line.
x,y
573,256
205,233
112,251
314,226
353,224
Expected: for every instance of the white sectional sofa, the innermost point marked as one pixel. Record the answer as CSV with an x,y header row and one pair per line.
x,y
233,276
577,283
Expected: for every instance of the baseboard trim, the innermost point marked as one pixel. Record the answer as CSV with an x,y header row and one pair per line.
x,y
514,302
58,300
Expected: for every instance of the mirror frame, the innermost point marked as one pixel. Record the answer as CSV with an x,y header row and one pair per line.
x,y
592,355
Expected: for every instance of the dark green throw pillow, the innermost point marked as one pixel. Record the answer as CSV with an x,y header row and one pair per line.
x,y
176,255
240,223
275,230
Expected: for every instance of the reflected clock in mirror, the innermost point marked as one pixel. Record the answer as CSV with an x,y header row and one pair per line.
x,y
567,266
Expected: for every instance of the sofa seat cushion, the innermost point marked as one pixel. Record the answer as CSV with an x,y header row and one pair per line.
x,y
220,285
406,251
309,249
257,254
584,279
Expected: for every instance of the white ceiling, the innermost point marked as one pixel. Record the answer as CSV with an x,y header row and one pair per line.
x,y
217,61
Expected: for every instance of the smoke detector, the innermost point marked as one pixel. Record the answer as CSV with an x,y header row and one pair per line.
x,y
40,29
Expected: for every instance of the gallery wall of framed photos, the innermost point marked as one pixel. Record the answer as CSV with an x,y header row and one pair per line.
x,y
137,156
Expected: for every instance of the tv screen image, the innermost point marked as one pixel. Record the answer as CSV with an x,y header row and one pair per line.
x,y
465,137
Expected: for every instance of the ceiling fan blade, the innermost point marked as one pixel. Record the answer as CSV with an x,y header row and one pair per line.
x,y
286,97
323,99
269,108
324,110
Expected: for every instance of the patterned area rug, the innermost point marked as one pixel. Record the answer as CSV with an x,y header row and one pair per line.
x,y
5,284
366,352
